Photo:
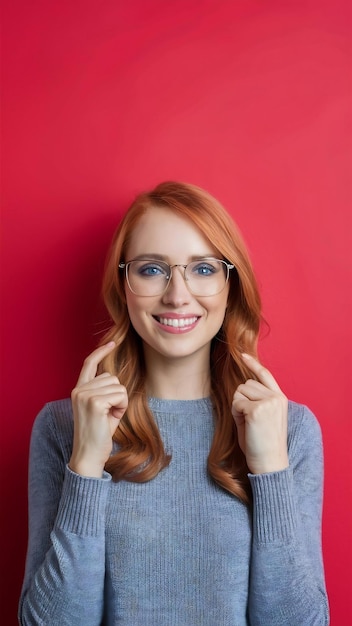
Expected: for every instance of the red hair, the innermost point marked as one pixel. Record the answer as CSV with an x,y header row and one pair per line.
x,y
140,454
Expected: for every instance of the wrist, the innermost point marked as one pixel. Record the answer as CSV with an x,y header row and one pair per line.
x,y
268,466
86,469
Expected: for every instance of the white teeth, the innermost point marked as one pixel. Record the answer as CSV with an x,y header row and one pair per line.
x,y
177,323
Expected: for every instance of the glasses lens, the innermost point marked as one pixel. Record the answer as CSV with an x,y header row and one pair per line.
x,y
206,277
147,278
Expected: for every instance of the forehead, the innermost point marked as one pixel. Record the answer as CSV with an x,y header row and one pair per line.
x,y
163,232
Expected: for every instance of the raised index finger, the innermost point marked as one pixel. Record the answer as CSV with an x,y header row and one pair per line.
x,y
90,365
262,374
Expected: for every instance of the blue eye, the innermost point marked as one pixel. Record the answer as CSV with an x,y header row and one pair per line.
x,y
204,269
151,270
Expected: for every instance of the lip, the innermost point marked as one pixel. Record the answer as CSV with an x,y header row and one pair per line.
x,y
175,323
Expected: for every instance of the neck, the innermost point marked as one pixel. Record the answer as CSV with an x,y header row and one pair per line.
x,y
177,379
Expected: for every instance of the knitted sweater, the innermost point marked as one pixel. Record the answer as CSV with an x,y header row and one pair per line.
x,y
177,550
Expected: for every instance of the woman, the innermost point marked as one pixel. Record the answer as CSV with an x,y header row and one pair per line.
x,y
178,486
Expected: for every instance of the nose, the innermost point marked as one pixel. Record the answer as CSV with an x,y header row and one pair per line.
x,y
177,292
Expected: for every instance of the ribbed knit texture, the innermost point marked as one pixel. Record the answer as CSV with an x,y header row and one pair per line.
x,y
178,550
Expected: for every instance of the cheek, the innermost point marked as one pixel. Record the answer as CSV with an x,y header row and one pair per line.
x,y
133,307
220,314
138,314
216,313
220,305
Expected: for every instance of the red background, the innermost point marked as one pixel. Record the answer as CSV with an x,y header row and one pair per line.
x,y
102,99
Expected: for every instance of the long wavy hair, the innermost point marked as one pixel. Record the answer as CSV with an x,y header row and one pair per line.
x,y
140,453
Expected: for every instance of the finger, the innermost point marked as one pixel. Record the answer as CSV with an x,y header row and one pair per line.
x,y
238,415
119,403
90,365
106,400
99,382
263,375
254,390
239,419
239,404
106,391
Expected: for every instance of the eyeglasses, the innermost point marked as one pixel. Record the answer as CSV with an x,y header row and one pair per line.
x,y
150,277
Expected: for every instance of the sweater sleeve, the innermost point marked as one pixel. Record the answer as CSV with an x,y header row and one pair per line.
x,y
287,584
65,566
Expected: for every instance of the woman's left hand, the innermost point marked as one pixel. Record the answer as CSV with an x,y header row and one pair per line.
x,y
259,409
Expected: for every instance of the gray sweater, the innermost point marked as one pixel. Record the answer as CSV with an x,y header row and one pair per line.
x,y
177,550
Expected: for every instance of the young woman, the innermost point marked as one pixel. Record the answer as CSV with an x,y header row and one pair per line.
x,y
178,486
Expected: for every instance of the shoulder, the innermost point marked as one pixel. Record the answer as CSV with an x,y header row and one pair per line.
x,y
304,432
53,427
56,414
301,417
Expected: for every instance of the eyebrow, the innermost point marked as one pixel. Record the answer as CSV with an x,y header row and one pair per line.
x,y
161,257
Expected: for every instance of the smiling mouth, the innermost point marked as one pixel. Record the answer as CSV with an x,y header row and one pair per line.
x,y
177,322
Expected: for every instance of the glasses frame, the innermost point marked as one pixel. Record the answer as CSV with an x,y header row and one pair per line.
x,y
229,267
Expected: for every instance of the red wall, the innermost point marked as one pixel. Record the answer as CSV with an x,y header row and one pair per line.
x,y
102,99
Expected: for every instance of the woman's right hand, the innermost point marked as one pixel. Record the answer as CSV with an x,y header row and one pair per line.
x,y
98,402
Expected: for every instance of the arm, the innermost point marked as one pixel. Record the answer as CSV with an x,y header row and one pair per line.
x,y
287,580
287,577
64,578
65,568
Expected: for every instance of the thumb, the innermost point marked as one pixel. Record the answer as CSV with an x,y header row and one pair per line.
x,y
117,413
238,417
